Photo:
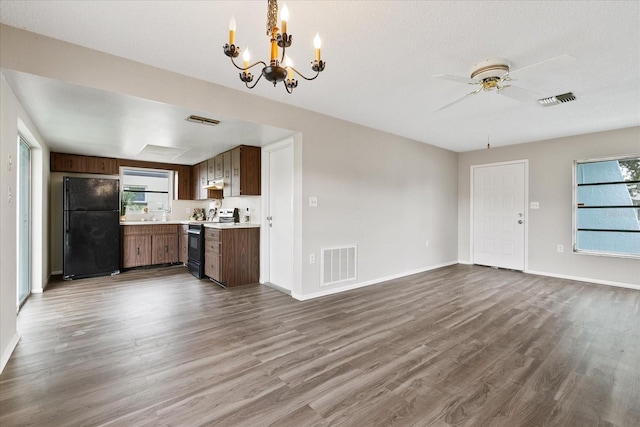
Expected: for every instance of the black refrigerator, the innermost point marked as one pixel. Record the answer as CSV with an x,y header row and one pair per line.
x,y
91,227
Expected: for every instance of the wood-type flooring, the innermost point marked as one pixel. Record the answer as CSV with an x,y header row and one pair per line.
x,y
456,346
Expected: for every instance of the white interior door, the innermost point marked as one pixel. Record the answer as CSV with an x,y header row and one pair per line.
x,y
281,217
24,221
499,197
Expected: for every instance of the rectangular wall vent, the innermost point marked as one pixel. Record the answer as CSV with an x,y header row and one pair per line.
x,y
558,99
338,265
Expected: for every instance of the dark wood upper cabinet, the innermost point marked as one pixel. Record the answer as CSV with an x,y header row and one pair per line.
x,y
239,169
218,169
184,183
102,165
226,173
68,163
195,182
250,171
61,162
204,171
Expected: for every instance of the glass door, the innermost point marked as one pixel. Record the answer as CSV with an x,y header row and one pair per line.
x,y
24,221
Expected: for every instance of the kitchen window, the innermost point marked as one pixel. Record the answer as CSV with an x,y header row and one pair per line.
x,y
607,207
146,190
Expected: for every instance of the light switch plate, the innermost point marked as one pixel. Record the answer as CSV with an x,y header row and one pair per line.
x,y
313,202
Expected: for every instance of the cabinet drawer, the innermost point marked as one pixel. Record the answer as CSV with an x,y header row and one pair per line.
x,y
163,229
212,234
129,230
132,230
211,247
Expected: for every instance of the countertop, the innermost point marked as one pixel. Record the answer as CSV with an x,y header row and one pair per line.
x,y
208,224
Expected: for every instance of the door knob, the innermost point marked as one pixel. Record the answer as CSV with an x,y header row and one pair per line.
x,y
520,221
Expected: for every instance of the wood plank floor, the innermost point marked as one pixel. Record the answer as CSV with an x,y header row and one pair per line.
x,y
457,346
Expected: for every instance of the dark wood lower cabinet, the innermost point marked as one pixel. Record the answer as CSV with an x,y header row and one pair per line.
x,y
183,244
136,250
149,245
165,248
232,256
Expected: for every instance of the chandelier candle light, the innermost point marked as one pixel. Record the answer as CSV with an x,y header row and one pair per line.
x,y
273,72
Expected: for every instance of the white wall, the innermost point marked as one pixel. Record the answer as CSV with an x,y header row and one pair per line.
x,y
551,184
13,119
356,173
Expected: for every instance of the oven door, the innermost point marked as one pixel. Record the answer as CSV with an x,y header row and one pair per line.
x,y
195,248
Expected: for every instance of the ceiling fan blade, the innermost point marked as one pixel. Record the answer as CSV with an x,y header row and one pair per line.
x,y
458,100
519,93
457,79
547,65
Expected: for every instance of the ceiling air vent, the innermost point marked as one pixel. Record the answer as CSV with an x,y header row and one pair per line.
x,y
558,99
203,120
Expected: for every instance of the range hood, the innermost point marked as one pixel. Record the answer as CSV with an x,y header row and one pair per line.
x,y
215,184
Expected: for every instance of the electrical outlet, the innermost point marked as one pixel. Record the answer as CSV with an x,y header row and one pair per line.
x,y
535,205
560,248
313,202
312,258
188,210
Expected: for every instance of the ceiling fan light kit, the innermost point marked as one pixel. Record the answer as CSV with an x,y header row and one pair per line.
x,y
490,68
274,71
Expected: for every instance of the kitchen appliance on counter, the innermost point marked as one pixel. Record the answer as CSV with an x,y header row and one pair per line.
x,y
91,221
227,215
195,251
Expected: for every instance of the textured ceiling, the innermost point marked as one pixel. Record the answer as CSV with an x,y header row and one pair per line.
x,y
381,56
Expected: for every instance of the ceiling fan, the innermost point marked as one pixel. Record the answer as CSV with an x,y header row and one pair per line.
x,y
496,74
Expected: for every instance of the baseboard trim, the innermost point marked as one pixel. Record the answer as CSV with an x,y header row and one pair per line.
x,y
9,351
304,297
586,279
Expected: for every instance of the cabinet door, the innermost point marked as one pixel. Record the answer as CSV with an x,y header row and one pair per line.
x,y
102,165
67,163
211,169
250,170
235,171
184,245
239,256
218,170
212,266
164,249
185,183
226,167
136,250
204,194
195,181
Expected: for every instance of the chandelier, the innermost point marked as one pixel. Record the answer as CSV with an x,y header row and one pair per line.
x,y
274,72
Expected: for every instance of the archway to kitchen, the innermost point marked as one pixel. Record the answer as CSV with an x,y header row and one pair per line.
x,y
277,170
